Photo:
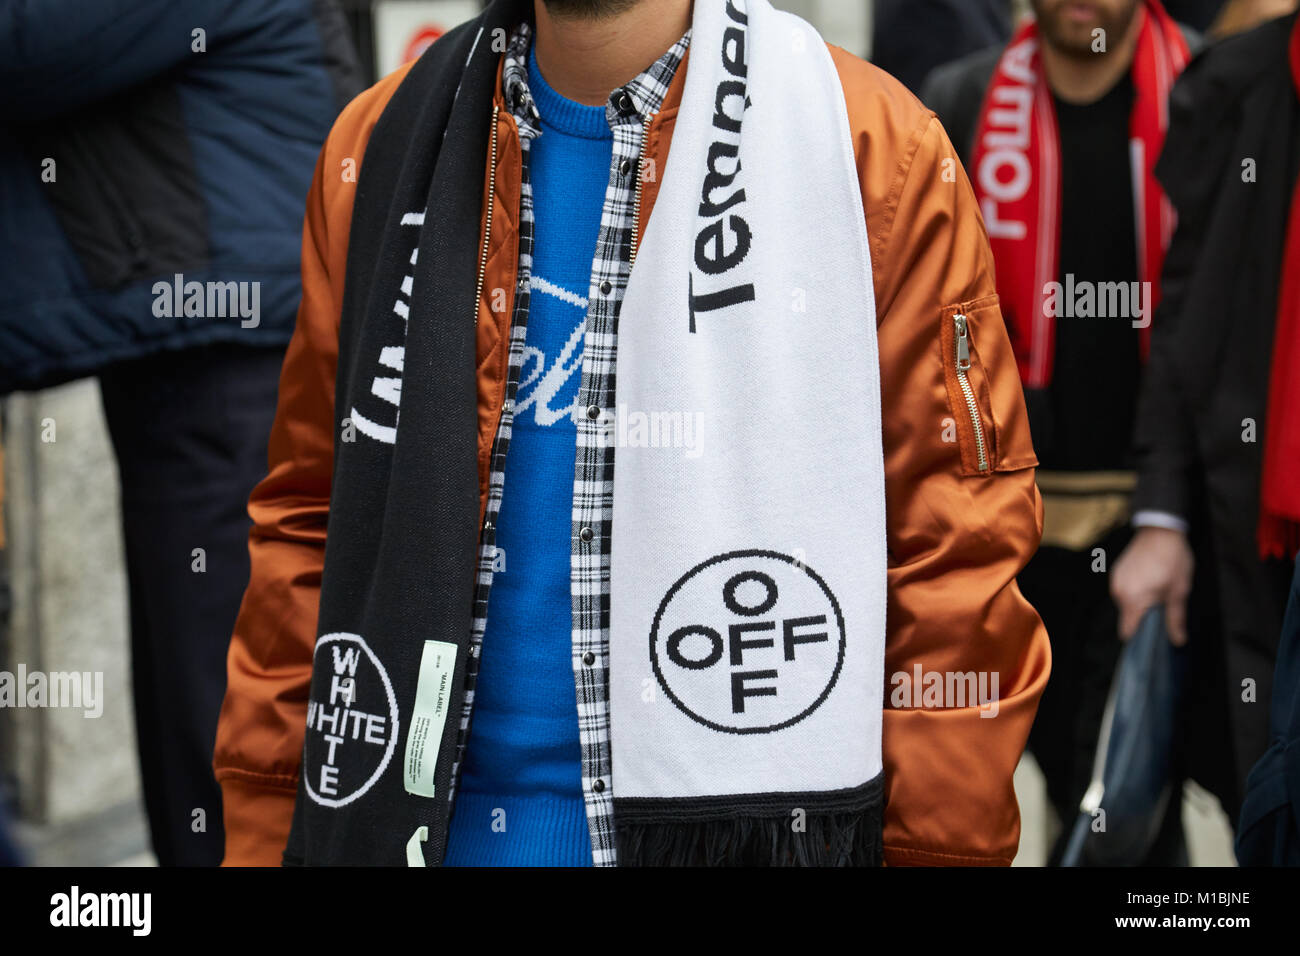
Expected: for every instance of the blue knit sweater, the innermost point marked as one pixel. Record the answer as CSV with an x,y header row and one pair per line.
x,y
520,799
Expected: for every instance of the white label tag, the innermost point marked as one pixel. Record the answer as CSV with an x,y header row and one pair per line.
x,y
428,716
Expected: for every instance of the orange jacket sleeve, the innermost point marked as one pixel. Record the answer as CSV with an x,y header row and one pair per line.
x,y
957,536
259,734
263,718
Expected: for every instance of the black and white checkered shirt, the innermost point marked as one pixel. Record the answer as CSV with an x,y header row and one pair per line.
x,y
628,111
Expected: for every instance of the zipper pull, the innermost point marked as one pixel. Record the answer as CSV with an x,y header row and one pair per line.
x,y
963,343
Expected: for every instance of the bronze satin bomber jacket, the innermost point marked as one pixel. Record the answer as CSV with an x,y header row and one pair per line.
x,y
958,534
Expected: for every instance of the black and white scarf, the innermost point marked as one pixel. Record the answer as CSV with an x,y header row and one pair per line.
x,y
747,608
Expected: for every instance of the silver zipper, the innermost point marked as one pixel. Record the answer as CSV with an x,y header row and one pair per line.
x,y
482,273
640,176
963,365
487,526
487,227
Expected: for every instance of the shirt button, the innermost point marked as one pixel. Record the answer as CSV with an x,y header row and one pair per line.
x,y
586,534
598,786
625,167
588,658
606,287
593,412
624,102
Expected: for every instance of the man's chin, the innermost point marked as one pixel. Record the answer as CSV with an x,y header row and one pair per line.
x,y
1072,39
588,9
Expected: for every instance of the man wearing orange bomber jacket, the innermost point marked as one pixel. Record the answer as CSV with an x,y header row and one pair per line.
x,y
813,483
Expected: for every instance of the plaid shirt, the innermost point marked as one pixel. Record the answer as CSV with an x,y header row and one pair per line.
x,y
628,111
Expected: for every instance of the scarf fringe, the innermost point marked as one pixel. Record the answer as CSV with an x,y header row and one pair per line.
x,y
832,839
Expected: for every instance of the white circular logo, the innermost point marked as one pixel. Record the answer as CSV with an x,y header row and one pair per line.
x,y
351,721
748,642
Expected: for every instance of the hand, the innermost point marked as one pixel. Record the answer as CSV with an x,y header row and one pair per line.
x,y
1155,569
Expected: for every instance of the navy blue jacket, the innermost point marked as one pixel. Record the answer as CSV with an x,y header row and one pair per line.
x,y
145,139
1268,833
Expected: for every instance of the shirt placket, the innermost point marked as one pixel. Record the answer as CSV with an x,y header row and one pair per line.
x,y
593,488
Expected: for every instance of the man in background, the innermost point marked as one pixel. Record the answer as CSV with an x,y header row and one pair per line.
x,y
154,159
1217,434
912,37
1049,126
1239,16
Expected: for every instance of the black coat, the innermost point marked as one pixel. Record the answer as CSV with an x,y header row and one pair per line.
x,y
170,156
914,36
1229,167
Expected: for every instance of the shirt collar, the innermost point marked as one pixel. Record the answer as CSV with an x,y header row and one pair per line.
x,y
514,82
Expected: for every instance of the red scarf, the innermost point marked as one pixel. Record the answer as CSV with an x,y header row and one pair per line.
x,y
1279,493
1017,172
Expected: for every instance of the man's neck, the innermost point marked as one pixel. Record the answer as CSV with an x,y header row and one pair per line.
x,y
585,60
1085,79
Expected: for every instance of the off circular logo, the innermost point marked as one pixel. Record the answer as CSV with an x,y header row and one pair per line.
x,y
351,721
748,642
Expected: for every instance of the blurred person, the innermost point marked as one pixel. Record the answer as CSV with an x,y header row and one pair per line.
x,y
912,37
154,160
1268,832
1239,16
9,855
1050,126
1198,14
461,520
1217,433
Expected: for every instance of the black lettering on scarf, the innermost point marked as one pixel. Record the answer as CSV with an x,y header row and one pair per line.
x,y
713,256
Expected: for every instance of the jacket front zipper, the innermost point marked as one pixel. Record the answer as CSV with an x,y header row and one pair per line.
x,y
487,530
963,365
636,201
482,267
487,226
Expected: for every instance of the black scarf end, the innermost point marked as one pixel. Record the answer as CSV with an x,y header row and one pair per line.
x,y
827,839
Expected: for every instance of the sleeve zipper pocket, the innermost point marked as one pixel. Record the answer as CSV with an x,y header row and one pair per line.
x,y
962,339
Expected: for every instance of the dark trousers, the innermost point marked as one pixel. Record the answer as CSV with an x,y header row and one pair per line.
x,y
190,431
1083,626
